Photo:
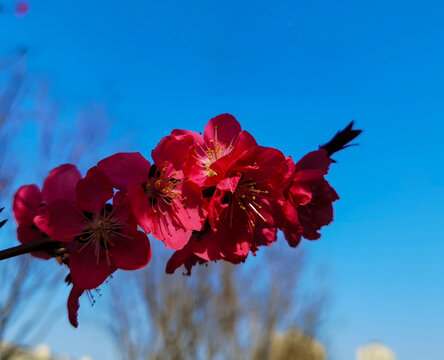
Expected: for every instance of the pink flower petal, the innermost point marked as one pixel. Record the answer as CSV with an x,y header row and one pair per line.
x,y
61,184
234,232
73,305
265,236
192,206
89,265
319,211
206,246
243,145
27,201
299,194
61,220
239,158
183,257
94,190
125,168
271,167
307,176
122,214
167,222
171,153
315,160
223,129
130,252
293,235
198,138
178,259
165,227
217,208
140,206
291,226
229,184
289,169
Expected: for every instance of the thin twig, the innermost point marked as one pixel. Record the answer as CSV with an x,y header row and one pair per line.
x,y
36,245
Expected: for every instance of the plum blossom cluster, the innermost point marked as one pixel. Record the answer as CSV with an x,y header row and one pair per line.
x,y
93,227
212,196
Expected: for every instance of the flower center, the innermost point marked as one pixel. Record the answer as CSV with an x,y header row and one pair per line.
x,y
211,152
160,187
249,198
100,228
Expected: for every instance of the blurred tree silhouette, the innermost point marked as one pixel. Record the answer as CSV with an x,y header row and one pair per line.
x,y
220,312
27,294
294,344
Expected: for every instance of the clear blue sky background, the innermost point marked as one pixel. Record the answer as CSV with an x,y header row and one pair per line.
x,y
292,72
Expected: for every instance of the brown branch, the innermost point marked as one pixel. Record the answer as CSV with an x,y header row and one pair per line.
x,y
36,245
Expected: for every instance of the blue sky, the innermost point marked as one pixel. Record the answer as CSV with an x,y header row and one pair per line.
x,y
293,73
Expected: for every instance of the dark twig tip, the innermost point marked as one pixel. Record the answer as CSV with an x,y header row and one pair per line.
x,y
341,140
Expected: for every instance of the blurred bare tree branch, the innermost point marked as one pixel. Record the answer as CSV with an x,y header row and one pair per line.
x,y
27,294
220,312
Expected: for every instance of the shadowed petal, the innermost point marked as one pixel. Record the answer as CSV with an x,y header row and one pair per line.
x,y
292,228
178,259
61,220
183,257
125,168
122,213
27,201
300,195
61,184
206,246
319,211
94,190
314,160
265,236
73,305
130,252
293,235
236,243
89,265
141,206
